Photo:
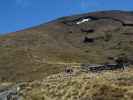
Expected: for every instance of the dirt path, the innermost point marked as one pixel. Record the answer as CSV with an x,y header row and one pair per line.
x,y
65,64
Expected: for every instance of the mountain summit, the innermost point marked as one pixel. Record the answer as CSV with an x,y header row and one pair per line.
x,y
95,38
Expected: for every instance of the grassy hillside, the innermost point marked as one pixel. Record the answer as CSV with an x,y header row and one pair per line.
x,y
39,56
25,55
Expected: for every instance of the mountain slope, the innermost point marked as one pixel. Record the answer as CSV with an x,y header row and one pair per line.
x,y
36,52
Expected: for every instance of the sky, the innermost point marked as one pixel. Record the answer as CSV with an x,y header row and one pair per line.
x,y
20,14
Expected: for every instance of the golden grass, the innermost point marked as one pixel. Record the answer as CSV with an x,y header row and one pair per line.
x,y
116,85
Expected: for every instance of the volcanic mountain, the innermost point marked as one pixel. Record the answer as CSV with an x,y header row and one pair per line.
x,y
93,38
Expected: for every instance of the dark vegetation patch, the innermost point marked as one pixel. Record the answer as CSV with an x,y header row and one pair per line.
x,y
130,34
87,30
88,40
107,37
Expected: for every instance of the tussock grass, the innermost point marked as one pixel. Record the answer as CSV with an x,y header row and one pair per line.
x,y
116,85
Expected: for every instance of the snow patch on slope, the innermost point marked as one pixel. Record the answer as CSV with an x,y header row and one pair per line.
x,y
83,20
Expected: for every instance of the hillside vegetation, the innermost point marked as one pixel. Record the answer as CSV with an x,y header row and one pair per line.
x,y
116,85
100,39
